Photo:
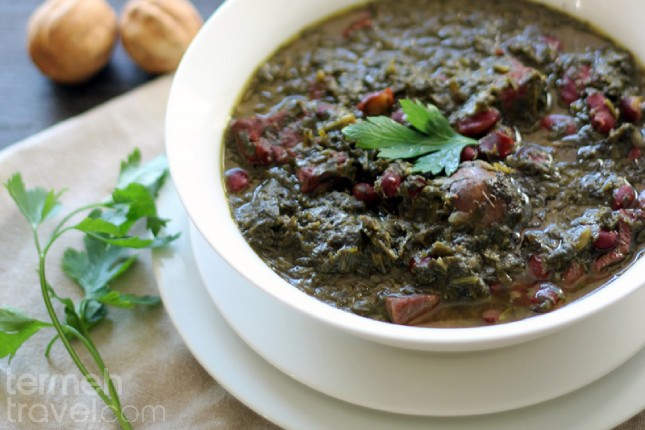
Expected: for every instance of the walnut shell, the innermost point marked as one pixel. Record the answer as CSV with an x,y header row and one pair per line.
x,y
156,33
71,40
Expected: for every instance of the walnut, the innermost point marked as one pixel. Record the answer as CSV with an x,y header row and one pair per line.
x,y
71,40
156,33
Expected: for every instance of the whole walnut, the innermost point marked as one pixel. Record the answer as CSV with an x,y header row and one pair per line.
x,y
156,33
71,40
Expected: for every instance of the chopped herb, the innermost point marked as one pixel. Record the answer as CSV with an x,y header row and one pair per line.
x,y
432,141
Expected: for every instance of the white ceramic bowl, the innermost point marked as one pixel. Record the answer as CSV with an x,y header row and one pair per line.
x,y
212,75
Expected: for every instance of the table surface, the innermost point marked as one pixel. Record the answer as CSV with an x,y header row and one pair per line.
x,y
30,102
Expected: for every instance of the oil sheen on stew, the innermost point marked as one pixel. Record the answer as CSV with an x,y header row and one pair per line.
x,y
546,206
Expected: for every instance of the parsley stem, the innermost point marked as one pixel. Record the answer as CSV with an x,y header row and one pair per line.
x,y
91,348
50,345
59,230
114,402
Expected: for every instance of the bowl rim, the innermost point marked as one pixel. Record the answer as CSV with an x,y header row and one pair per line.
x,y
179,121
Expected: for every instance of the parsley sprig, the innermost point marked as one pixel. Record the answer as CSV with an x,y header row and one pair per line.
x,y
109,235
432,141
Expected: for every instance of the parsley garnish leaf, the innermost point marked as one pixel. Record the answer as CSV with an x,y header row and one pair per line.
x,y
151,175
96,267
380,131
15,329
435,144
36,204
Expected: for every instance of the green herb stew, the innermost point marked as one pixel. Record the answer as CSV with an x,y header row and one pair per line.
x,y
427,162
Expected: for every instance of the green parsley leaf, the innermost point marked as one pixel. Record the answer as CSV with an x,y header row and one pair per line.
x,y
99,265
36,204
129,205
446,159
380,131
141,204
152,175
93,270
138,242
432,140
90,311
15,329
94,223
123,300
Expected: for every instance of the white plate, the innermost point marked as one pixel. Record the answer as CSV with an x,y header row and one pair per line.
x,y
415,382
284,401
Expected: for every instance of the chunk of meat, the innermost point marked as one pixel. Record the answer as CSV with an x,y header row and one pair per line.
x,y
377,103
574,81
498,144
320,177
262,140
620,251
411,310
573,275
478,124
559,124
523,97
472,187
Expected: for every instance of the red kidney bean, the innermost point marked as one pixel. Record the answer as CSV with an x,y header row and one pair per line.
x,y
631,107
563,125
601,112
469,153
365,193
491,316
237,179
635,154
496,288
419,262
620,251
479,123
624,197
537,269
377,103
390,182
605,240
574,80
497,144
547,297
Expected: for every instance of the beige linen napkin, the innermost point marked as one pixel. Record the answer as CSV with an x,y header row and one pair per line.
x,y
142,349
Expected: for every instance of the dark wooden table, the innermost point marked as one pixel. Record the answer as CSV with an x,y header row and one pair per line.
x,y
30,102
